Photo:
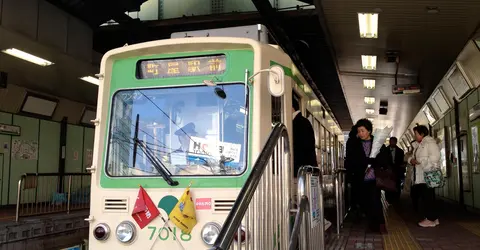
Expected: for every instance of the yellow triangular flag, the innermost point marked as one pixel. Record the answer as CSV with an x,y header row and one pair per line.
x,y
183,214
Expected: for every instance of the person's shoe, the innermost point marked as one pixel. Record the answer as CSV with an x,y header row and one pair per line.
x,y
427,223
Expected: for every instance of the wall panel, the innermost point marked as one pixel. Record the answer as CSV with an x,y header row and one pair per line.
x,y
26,141
5,118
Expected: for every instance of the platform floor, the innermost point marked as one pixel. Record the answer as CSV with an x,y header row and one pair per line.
x,y
458,229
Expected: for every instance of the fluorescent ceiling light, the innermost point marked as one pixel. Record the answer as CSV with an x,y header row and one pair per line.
x,y
307,89
368,25
315,103
369,83
370,111
369,100
369,62
27,57
91,79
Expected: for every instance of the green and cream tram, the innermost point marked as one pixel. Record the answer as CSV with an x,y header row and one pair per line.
x,y
192,113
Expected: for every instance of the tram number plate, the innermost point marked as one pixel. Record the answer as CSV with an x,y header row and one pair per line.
x,y
165,234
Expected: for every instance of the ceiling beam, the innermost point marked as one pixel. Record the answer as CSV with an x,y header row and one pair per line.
x,y
271,19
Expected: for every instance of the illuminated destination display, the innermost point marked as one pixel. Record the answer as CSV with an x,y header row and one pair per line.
x,y
176,67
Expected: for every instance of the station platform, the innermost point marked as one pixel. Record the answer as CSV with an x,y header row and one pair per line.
x,y
49,231
458,229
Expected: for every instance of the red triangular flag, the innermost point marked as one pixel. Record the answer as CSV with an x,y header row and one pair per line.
x,y
145,210
140,205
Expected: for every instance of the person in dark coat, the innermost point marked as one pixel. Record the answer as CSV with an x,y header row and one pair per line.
x,y
303,140
359,161
395,161
355,185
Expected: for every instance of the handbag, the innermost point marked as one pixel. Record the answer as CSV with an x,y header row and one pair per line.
x,y
434,178
386,180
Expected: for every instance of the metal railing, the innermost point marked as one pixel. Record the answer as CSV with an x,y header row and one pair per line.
x,y
44,193
263,204
340,197
309,226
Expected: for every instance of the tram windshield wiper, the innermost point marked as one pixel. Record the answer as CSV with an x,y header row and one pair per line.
x,y
157,163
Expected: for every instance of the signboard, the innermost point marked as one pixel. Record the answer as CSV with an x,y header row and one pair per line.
x,y
257,32
9,129
200,146
203,203
178,67
314,202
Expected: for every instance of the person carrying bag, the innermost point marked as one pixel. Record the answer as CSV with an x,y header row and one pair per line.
x,y
427,174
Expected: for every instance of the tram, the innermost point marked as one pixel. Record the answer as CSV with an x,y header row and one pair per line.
x,y
189,113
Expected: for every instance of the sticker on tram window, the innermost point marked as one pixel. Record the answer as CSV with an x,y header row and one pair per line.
x,y
185,66
163,233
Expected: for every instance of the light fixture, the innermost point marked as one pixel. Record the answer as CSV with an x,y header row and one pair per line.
x,y
369,83
27,57
369,62
307,90
91,79
368,25
369,100
370,111
315,103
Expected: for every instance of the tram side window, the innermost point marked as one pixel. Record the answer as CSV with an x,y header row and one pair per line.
x,y
190,130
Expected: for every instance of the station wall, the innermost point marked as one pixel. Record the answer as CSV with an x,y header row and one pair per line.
x,y
37,150
461,84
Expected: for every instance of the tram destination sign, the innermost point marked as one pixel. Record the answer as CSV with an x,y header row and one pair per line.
x,y
178,67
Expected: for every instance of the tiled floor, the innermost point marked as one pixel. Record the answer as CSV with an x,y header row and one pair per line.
x,y
458,229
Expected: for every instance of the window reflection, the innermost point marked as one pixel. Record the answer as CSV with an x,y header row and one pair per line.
x,y
190,130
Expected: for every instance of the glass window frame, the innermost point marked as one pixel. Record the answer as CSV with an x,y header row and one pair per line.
x,y
246,137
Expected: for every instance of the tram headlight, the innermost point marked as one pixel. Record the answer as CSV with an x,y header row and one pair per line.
x,y
101,231
210,233
125,232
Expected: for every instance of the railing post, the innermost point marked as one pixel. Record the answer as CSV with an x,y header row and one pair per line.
x,y
69,192
19,195
322,216
337,200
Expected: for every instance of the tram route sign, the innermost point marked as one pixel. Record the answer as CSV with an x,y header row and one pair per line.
x,y
181,67
314,201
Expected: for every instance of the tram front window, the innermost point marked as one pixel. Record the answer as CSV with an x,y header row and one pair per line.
x,y
191,130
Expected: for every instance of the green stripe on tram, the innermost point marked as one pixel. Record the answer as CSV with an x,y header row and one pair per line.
x,y
123,77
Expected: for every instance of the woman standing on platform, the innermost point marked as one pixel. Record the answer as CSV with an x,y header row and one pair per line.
x,y
426,157
358,156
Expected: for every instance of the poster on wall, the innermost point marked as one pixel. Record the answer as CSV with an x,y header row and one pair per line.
x,y
88,157
24,149
474,130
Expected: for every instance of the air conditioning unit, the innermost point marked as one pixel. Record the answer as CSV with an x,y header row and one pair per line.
x,y
406,89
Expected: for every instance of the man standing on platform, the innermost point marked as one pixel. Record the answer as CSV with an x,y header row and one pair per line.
x,y
396,162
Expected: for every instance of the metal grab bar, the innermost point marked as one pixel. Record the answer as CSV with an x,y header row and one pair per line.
x,y
43,193
296,227
242,203
312,237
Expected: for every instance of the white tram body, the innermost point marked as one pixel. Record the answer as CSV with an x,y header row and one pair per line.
x,y
170,84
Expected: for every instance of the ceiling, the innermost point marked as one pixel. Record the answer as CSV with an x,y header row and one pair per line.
x,y
327,41
60,79
306,40
427,44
